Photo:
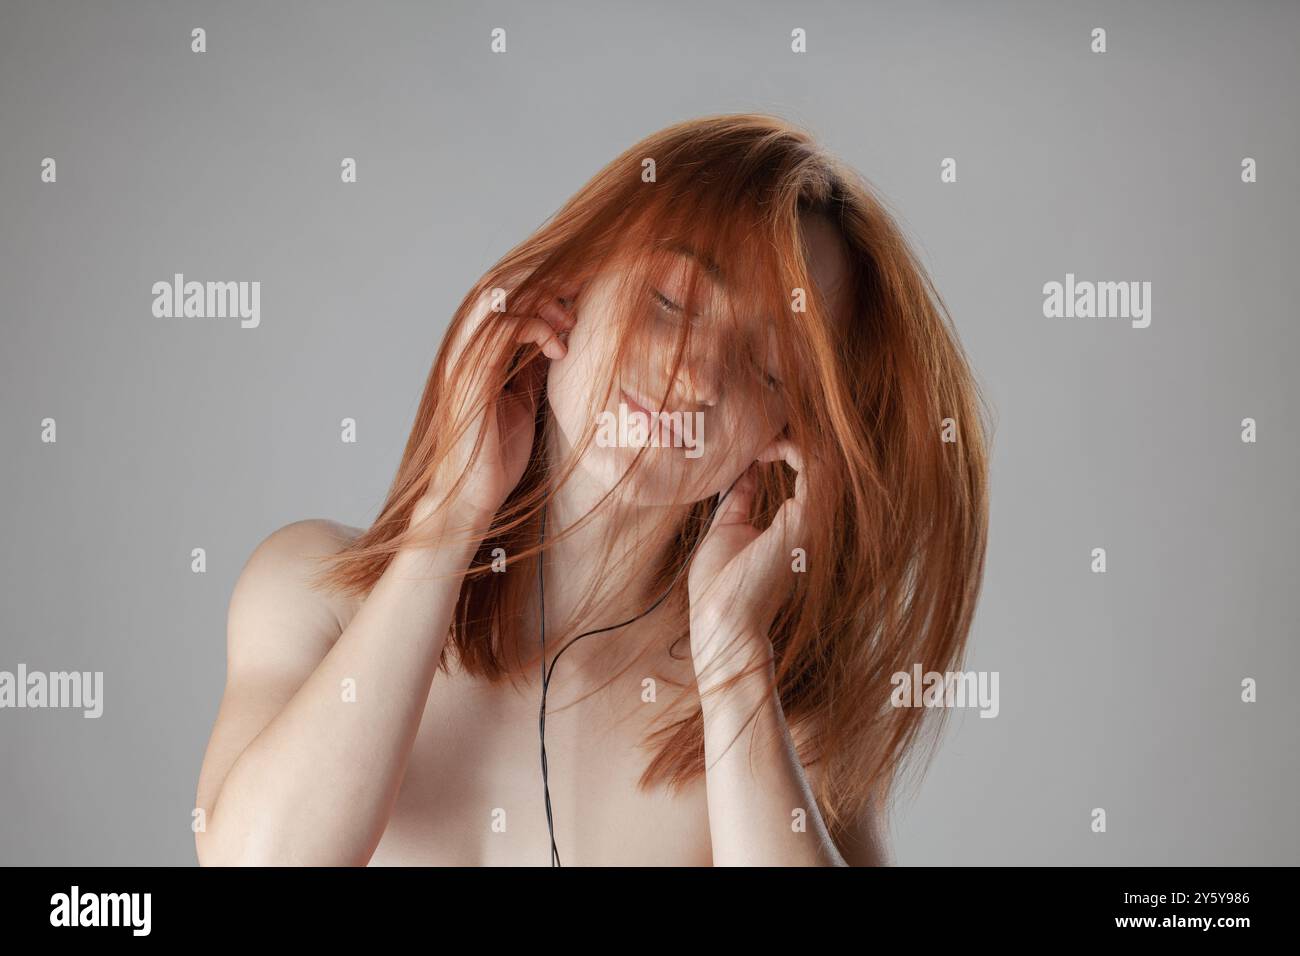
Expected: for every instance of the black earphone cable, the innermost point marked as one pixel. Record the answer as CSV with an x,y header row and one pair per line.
x,y
548,671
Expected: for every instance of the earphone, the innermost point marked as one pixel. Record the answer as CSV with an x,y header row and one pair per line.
x,y
548,671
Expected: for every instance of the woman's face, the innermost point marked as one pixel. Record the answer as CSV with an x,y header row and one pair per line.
x,y
707,423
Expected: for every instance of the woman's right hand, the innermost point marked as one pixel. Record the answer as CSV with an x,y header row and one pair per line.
x,y
506,422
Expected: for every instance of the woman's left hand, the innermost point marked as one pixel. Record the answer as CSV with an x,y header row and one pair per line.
x,y
740,575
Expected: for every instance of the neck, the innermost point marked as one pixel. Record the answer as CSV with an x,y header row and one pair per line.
x,y
599,561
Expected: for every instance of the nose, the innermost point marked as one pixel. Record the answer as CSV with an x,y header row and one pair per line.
x,y
697,381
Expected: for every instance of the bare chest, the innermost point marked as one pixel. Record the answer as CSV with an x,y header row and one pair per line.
x,y
472,794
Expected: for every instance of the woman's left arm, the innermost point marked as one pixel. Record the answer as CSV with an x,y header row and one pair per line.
x,y
761,805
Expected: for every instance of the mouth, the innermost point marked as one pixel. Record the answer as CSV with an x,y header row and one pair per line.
x,y
669,433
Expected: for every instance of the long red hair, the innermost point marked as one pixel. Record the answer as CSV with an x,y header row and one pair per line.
x,y
896,523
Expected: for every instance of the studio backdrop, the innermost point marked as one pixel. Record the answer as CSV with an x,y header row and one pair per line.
x,y
1104,193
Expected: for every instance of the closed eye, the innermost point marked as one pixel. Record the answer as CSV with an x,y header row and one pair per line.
x,y
667,304
770,381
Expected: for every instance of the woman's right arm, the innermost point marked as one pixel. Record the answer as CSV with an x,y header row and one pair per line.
x,y
300,771
316,725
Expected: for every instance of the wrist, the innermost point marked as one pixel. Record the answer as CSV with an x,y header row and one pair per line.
x,y
732,706
448,527
723,630
441,512
722,652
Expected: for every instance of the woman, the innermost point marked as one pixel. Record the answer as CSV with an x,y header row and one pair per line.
x,y
709,434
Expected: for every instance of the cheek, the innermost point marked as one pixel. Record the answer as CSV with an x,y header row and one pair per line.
x,y
566,397
734,441
575,383
761,414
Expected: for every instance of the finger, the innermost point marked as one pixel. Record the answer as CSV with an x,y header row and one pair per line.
x,y
730,525
493,304
794,458
787,528
515,412
736,507
539,332
527,378
487,307
556,316
782,449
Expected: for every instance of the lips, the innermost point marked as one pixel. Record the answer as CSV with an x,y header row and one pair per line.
x,y
667,425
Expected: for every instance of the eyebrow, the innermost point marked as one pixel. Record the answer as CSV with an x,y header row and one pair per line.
x,y
711,268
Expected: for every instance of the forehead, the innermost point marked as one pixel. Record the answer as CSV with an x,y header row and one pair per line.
x,y
826,262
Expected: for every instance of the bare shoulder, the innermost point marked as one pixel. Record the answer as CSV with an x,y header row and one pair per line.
x,y
276,592
278,630
299,541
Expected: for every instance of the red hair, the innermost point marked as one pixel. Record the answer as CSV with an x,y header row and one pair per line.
x,y
896,523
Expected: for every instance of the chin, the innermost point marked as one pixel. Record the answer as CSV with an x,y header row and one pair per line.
x,y
663,476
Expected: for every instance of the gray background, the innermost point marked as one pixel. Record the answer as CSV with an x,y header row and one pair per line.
x,y
1118,691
